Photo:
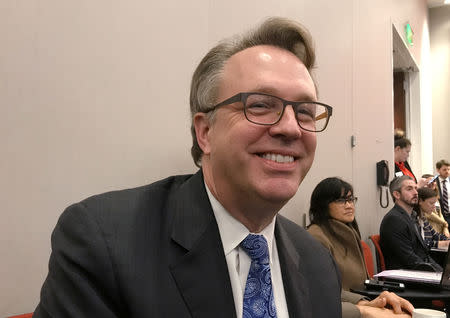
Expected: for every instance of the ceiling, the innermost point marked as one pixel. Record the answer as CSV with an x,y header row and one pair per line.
x,y
435,3
402,59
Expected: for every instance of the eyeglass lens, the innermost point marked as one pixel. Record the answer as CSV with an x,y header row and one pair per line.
x,y
266,109
351,200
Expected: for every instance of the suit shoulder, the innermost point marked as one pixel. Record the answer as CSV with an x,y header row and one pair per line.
x,y
289,226
392,215
299,236
119,203
135,194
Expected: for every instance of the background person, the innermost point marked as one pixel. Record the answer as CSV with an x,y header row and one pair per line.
x,y
401,242
402,148
435,218
443,185
333,223
424,209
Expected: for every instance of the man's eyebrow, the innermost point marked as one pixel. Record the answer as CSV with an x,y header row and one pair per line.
x,y
306,97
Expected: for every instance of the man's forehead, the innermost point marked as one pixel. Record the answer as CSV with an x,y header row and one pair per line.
x,y
264,52
263,68
262,56
409,183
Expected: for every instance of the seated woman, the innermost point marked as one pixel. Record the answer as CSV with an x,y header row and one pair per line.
x,y
435,218
332,215
425,207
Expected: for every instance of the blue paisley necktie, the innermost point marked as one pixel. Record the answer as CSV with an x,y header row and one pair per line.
x,y
258,295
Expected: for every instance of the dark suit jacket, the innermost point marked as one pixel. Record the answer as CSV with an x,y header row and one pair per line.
x,y
155,251
401,243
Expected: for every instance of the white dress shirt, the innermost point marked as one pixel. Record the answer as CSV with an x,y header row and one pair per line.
x,y
232,232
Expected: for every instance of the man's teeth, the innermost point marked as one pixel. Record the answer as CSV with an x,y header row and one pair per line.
x,y
278,158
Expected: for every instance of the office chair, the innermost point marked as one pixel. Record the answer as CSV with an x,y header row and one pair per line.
x,y
381,266
368,258
29,315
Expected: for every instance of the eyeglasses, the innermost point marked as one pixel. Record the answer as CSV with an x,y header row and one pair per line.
x,y
343,201
265,109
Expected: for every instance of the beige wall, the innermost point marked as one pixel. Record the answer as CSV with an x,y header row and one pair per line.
x,y
94,97
440,53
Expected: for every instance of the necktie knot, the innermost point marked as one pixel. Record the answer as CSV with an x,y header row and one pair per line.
x,y
256,248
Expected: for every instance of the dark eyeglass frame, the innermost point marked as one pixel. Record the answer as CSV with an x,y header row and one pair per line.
x,y
344,201
242,97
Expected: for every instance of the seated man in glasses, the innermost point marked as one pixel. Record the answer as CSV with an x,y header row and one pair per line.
x,y
211,244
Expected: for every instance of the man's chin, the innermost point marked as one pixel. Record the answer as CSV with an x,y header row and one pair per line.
x,y
280,193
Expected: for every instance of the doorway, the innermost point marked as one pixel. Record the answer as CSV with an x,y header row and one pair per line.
x,y
406,96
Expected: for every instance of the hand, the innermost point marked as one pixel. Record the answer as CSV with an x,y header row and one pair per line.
x,y
422,182
443,244
386,305
374,312
445,231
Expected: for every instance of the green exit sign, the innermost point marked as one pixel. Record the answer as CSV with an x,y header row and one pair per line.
x,y
409,34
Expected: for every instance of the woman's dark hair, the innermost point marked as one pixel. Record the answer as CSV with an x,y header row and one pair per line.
x,y
426,193
423,194
402,143
327,191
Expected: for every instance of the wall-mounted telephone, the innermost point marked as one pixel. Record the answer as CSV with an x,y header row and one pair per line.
x,y
383,180
382,173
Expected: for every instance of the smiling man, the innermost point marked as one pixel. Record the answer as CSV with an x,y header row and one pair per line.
x,y
211,244
262,167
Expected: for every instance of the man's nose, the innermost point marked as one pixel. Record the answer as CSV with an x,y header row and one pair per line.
x,y
288,124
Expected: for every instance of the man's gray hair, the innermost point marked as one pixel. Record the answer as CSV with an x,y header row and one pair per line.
x,y
280,32
396,184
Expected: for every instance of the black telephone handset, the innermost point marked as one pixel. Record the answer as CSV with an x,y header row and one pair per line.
x,y
382,173
383,180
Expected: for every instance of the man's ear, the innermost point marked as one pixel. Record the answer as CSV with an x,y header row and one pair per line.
x,y
396,195
202,126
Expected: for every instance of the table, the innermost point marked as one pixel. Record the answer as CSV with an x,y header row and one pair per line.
x,y
411,294
419,297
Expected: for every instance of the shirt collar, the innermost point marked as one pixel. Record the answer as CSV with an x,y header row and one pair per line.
x,y
232,232
442,179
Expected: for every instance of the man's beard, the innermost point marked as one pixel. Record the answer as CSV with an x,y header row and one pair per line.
x,y
411,202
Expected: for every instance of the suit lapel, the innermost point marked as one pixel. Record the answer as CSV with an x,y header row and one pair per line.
x,y
297,296
413,227
201,271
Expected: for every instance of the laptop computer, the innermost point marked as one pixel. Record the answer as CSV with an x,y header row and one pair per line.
x,y
435,280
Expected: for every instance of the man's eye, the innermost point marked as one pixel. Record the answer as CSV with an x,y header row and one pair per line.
x,y
305,115
305,112
258,105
